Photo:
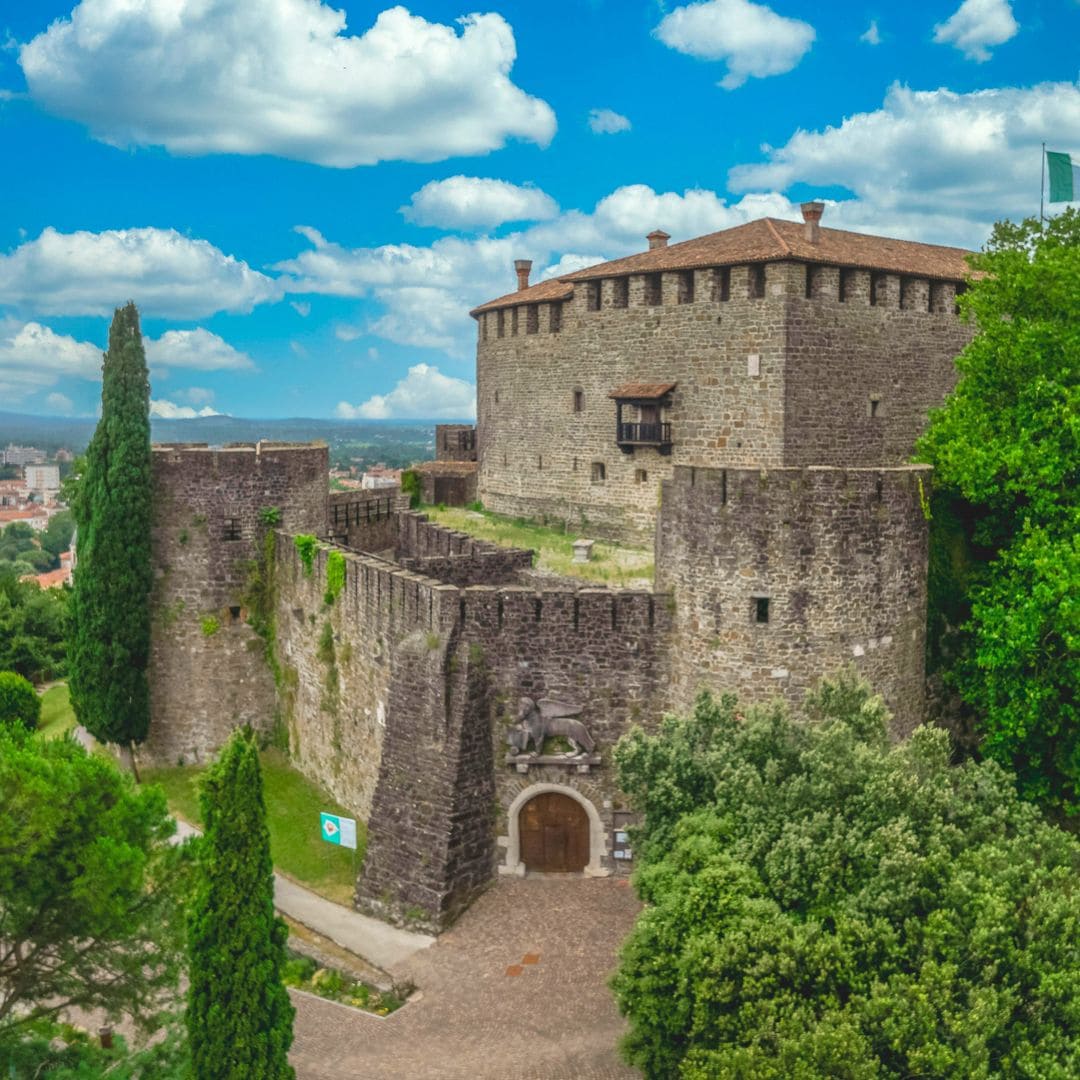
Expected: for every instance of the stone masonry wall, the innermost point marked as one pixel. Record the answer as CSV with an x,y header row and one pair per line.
x,y
455,442
207,671
839,555
366,520
783,378
456,557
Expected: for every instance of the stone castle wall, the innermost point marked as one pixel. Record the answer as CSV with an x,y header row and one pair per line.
x,y
456,557
784,376
839,555
366,520
207,671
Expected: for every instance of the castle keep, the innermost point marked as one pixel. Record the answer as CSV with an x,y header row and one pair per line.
x,y
751,397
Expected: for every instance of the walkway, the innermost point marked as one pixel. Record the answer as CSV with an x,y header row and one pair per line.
x,y
516,989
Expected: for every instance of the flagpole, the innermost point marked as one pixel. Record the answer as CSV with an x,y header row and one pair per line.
x,y
1042,185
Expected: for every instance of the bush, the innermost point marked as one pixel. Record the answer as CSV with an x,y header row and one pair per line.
x,y
824,904
410,485
19,702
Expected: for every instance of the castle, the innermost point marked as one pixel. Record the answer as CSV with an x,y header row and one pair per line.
x,y
751,397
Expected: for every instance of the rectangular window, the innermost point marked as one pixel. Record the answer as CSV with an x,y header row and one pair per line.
x,y
592,295
640,476
540,461
556,318
722,283
874,408
810,281
234,613
232,529
579,400
620,292
847,284
756,282
532,319
653,295
598,472
761,609
513,322
686,287
500,324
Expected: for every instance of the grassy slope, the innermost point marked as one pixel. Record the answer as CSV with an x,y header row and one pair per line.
x,y
57,716
611,564
292,811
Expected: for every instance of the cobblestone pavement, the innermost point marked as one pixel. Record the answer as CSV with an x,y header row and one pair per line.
x,y
517,990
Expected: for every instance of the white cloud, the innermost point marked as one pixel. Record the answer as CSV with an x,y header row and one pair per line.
x,y
871,36
169,410
751,38
461,202
60,403
282,77
929,164
196,395
976,24
607,122
425,393
33,357
197,349
165,273
301,307
345,332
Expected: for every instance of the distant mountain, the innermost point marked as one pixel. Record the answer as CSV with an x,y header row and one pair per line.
x,y
397,442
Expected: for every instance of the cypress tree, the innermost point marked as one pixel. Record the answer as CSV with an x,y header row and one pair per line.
x,y
239,1015
110,640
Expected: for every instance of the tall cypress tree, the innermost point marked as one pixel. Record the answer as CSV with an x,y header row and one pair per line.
x,y
239,1015
110,640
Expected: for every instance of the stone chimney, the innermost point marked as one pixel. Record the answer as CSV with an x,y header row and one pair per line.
x,y
657,239
811,214
523,266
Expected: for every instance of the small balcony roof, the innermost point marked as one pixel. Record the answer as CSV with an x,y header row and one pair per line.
x,y
642,391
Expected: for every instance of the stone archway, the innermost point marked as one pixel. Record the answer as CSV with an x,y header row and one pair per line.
x,y
515,863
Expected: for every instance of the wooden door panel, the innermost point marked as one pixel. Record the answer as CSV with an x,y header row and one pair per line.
x,y
554,832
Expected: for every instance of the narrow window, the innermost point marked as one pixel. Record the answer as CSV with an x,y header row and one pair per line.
x,y
556,318
756,283
761,609
540,461
234,613
574,466
723,283
497,394
599,473
592,295
809,281
620,292
686,287
845,286
579,400
875,408
905,293
513,322
640,476
232,529
500,324
653,290
532,319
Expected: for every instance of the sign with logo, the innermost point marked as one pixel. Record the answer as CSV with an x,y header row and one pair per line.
x,y
338,830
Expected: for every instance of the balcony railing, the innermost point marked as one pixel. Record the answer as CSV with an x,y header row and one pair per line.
x,y
658,434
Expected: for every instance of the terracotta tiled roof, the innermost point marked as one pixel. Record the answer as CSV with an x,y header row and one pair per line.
x,y
764,240
643,391
53,579
552,289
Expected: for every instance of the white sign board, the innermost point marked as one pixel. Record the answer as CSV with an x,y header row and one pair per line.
x,y
338,830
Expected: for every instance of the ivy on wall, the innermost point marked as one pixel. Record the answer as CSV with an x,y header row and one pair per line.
x,y
306,546
335,576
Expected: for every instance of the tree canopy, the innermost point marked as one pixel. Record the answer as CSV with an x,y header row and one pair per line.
x,y
821,903
19,704
239,1014
110,641
33,627
89,888
1006,453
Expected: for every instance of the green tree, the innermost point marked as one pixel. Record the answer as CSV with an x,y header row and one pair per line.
x,y
20,705
110,640
821,903
33,627
239,1013
89,889
58,533
1006,453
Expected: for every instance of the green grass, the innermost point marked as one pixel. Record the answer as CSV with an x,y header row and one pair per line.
x,y
292,811
611,564
57,716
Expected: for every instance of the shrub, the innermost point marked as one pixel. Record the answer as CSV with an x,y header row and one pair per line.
x,y
19,702
306,546
335,576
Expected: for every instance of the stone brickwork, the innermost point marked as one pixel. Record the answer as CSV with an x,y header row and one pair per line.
x,y
366,520
456,557
207,673
455,442
452,483
783,576
772,368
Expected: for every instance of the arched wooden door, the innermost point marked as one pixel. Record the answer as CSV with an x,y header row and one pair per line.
x,y
554,832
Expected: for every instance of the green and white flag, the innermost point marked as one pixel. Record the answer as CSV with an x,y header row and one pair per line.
x,y
1064,177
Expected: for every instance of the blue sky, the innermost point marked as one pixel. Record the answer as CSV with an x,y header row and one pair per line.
x,y
305,200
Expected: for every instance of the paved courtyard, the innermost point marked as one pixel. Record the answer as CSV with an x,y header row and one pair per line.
x,y
517,990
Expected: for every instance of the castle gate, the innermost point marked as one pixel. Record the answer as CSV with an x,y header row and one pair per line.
x,y
554,834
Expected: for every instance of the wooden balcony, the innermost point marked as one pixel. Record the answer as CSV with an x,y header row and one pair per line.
x,y
656,435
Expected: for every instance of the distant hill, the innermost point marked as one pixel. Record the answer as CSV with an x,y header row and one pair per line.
x,y
397,442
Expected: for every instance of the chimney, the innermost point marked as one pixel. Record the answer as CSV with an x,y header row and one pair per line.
x,y
523,266
811,214
657,239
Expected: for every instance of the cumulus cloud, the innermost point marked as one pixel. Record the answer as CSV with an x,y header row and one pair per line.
x,y
977,24
282,77
607,122
169,410
60,403
198,349
33,357
461,202
871,36
425,393
751,38
929,164
196,395
165,273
